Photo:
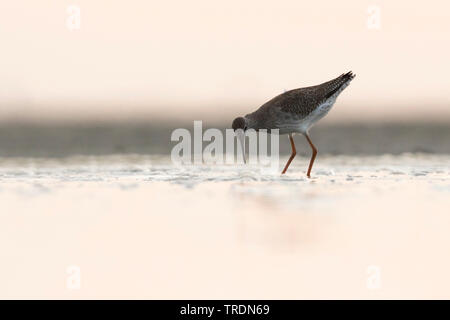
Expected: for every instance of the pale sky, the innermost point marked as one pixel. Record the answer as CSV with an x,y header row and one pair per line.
x,y
217,59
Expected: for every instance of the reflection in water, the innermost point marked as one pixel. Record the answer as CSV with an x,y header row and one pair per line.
x,y
281,220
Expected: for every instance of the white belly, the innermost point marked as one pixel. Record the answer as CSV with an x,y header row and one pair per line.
x,y
306,123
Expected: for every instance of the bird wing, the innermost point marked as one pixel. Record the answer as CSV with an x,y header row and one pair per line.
x,y
303,101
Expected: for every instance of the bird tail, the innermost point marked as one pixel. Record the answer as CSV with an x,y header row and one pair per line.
x,y
347,76
340,83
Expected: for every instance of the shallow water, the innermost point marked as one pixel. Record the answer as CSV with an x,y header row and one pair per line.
x,y
160,168
138,226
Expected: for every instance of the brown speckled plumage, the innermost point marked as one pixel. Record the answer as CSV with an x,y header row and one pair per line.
x,y
304,100
296,104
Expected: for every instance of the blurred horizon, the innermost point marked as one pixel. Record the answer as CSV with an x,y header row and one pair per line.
x,y
61,140
162,61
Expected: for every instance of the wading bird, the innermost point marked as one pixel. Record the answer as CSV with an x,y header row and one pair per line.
x,y
296,111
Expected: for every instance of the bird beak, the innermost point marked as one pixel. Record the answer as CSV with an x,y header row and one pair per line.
x,y
241,138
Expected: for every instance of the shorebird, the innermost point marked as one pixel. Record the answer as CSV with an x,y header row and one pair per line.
x,y
296,111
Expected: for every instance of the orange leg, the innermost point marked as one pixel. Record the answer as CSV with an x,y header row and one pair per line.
x,y
313,157
294,152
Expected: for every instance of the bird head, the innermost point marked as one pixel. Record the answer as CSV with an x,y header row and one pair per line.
x,y
239,123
